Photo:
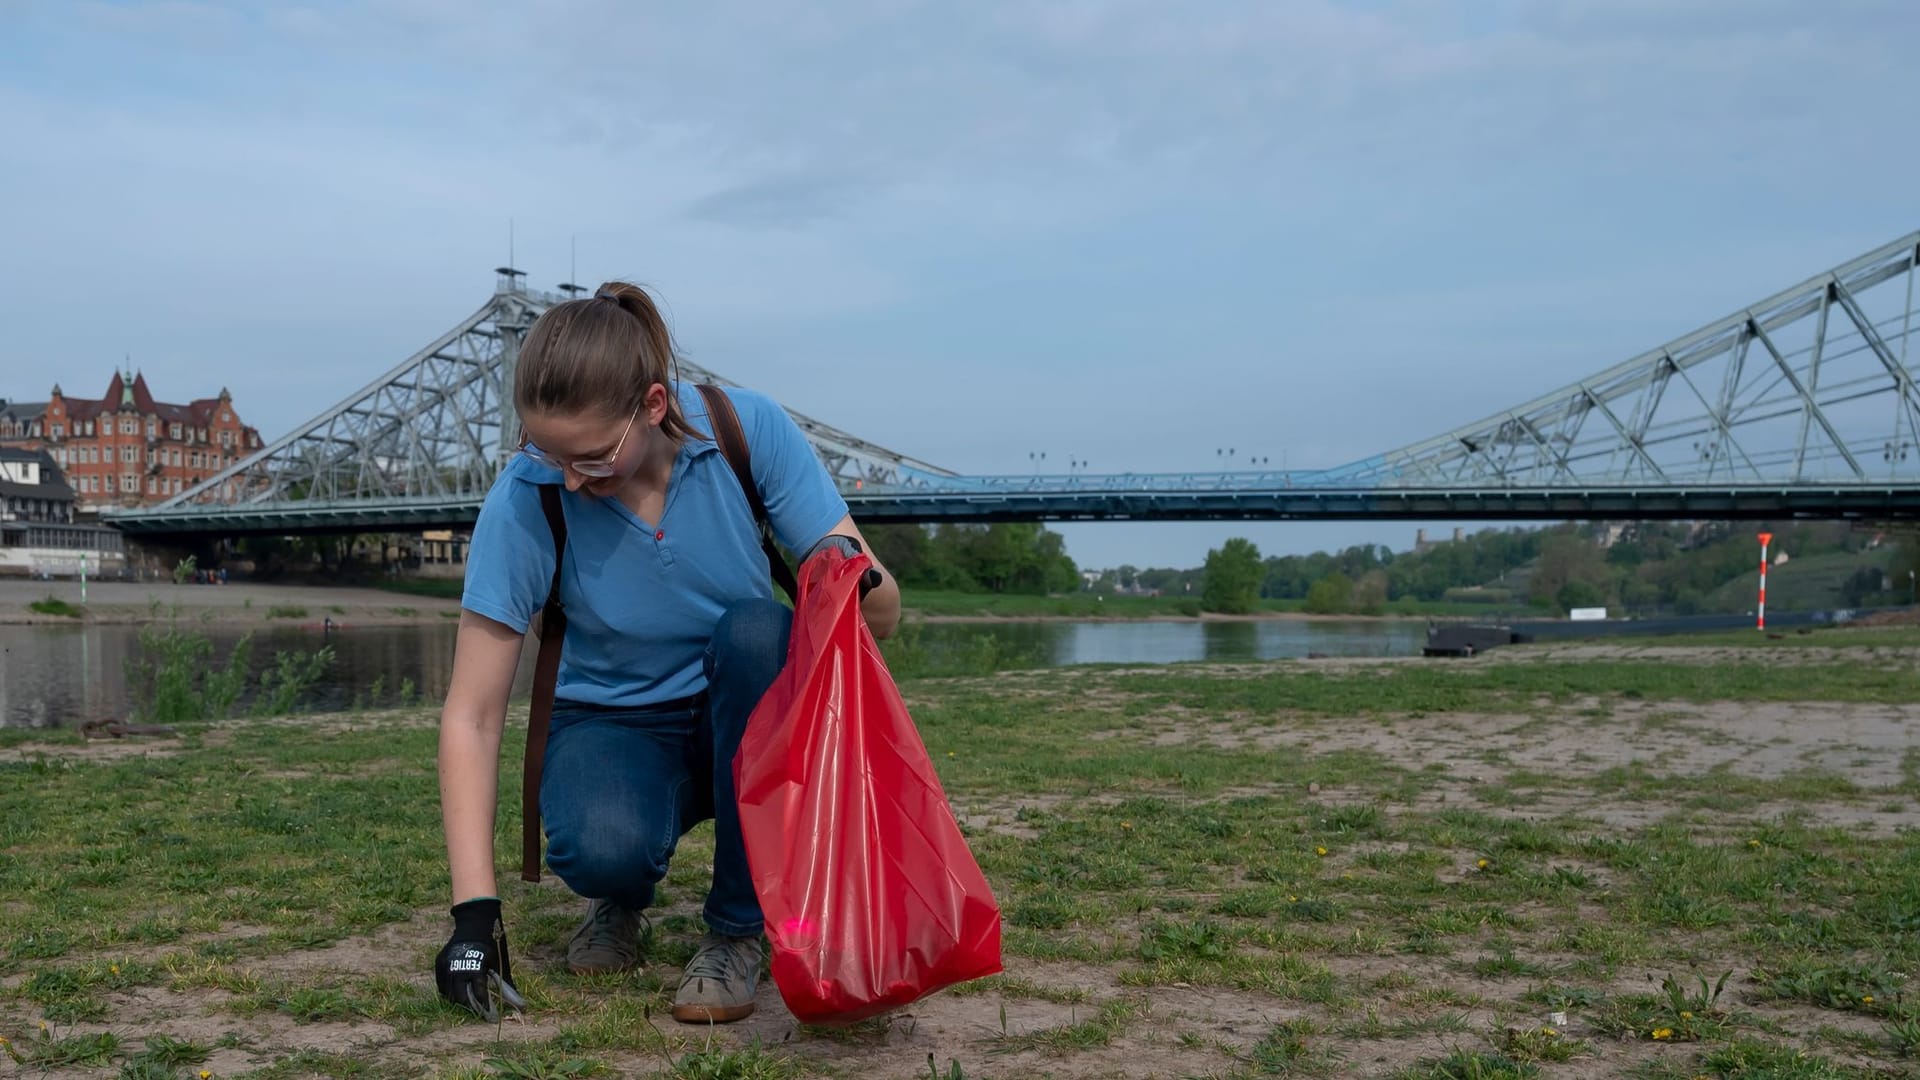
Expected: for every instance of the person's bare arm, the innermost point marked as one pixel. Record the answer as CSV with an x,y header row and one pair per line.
x,y
484,658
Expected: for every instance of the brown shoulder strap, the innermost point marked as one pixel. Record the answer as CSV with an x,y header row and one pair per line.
x,y
546,673
733,443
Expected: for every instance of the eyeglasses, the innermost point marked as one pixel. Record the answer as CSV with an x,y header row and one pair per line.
x,y
596,469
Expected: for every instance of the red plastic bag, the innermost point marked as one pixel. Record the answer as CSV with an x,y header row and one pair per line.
x,y
871,897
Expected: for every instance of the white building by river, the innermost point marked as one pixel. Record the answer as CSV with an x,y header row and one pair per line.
x,y
38,535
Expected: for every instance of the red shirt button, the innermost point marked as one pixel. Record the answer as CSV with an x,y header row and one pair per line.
x,y
661,535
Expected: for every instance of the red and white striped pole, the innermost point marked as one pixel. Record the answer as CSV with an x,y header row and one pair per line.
x,y
1765,539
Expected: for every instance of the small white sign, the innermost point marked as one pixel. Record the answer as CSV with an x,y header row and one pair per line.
x,y
1587,614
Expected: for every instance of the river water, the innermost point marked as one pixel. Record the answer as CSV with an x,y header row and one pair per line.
x,y
60,676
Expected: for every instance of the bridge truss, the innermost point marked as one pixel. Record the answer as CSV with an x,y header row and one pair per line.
x,y
1803,404
423,442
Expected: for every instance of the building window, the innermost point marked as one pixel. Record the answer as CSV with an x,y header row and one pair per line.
x,y
130,484
126,455
127,425
173,431
59,431
151,490
226,417
153,427
109,485
226,439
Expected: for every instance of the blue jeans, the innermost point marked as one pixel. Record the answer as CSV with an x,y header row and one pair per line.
x,y
621,786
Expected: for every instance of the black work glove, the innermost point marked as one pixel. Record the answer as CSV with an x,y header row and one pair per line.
x,y
473,966
848,546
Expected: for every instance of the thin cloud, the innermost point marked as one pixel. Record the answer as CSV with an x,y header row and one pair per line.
x,y
1369,221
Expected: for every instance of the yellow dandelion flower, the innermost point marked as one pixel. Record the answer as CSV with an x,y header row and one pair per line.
x,y
1753,843
1867,999
1663,1033
113,969
1483,864
949,753
1293,899
1685,1015
1126,824
1548,1031
205,1074
1320,851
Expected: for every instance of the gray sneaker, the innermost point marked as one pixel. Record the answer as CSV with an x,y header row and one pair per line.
x,y
718,984
609,940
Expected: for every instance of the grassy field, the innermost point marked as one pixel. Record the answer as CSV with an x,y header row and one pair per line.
x,y
1650,859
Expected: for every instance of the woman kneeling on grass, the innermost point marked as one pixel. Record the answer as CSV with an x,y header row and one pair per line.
x,y
672,636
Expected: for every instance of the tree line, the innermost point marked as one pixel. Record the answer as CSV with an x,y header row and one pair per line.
x,y
1002,558
1642,567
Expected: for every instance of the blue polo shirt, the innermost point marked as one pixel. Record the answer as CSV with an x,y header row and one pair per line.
x,y
642,597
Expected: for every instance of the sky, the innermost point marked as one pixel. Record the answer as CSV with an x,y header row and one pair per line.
x,y
1127,233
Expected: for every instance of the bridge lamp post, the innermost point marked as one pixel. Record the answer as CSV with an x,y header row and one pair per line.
x,y
1894,454
1034,458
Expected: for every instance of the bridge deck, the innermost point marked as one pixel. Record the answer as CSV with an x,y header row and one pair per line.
x,y
1132,498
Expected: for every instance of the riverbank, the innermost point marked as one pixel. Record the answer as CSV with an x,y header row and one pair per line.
x,y
120,602
252,604
921,615
1555,861
941,606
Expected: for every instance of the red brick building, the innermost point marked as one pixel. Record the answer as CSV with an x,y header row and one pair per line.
x,y
126,449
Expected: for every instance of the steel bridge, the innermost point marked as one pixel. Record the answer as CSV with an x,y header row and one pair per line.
x,y
1800,405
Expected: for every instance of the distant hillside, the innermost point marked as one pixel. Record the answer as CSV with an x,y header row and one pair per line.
x,y
1641,568
1813,583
